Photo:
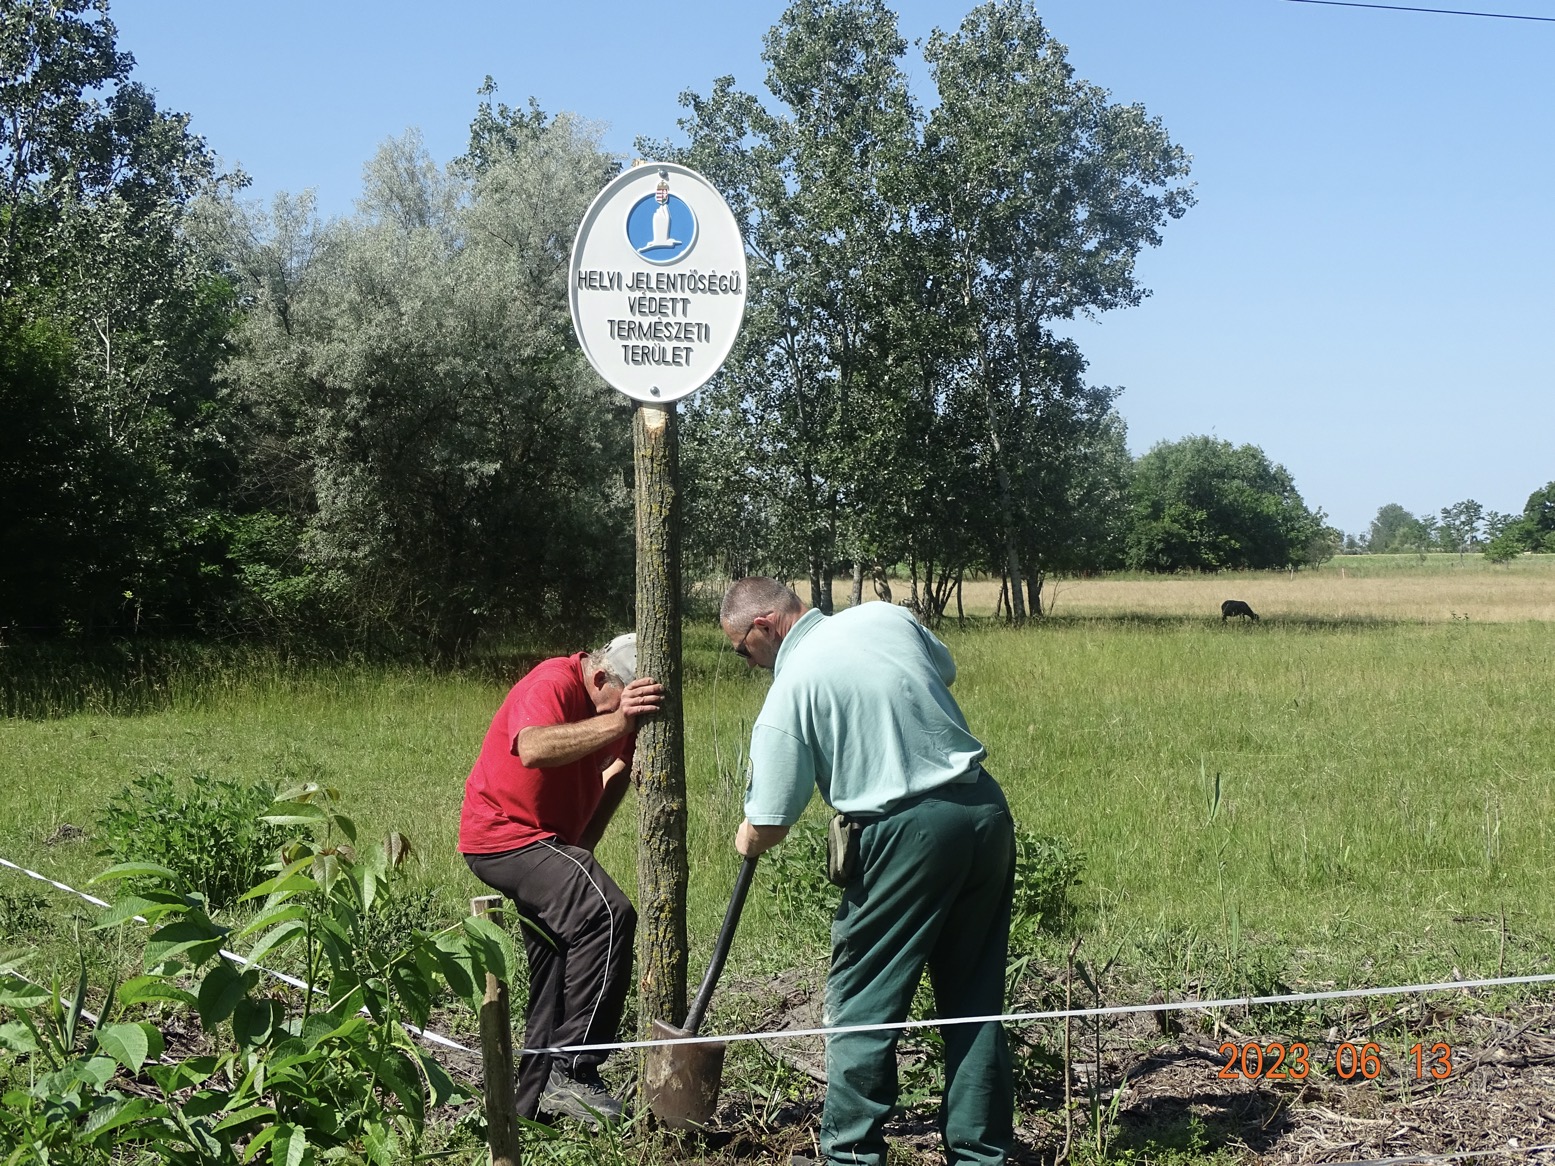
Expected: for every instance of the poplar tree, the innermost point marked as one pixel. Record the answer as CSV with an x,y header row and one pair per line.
x,y
899,393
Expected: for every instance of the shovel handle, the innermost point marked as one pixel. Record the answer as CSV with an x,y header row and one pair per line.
x,y
742,886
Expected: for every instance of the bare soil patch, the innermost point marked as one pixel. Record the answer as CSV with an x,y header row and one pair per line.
x,y
1163,1095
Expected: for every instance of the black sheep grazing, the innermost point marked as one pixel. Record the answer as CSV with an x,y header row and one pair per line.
x,y
1236,607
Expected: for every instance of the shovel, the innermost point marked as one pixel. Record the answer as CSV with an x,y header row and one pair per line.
x,y
680,1082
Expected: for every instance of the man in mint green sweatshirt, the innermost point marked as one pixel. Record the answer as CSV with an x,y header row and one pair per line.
x,y
860,710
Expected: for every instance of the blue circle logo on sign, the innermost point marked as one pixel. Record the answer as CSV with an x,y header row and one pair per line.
x,y
660,226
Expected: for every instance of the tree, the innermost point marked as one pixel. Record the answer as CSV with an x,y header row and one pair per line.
x,y
1534,530
1203,504
1460,526
119,516
897,382
819,192
1395,531
1044,193
1538,522
416,418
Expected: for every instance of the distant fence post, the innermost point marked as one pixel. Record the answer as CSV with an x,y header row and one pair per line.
x,y
497,1055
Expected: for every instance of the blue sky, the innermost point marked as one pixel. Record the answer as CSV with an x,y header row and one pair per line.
x,y
1364,289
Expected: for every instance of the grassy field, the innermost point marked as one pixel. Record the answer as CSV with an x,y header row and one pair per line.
x,y
1357,790
1413,588
1386,777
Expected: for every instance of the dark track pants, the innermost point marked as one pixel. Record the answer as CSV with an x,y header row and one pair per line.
x,y
934,888
579,949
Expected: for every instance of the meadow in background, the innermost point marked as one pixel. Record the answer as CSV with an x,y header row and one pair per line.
x,y
1362,782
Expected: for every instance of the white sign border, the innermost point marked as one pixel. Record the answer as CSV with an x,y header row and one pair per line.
x,y
713,219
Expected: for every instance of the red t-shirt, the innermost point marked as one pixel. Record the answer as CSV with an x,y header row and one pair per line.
x,y
508,804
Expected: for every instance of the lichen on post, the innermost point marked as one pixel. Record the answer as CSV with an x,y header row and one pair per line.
x,y
659,772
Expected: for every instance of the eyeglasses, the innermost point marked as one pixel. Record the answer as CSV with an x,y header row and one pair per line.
x,y
740,649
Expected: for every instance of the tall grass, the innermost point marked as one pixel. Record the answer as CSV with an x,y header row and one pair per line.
x,y
1364,797
1436,588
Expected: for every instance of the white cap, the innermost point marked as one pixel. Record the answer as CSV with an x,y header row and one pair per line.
x,y
621,654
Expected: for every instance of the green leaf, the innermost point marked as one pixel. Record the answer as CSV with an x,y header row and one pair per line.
x,y
453,960
146,988
220,992
244,1116
194,933
279,913
206,1102
287,883
130,1044
255,1021
326,869
130,907
259,1141
368,877
278,937
492,948
351,1027
18,993
291,1146
127,870
300,814
121,1113
402,1078
182,1074
380,1144
98,1070
414,988
439,1084
17,1038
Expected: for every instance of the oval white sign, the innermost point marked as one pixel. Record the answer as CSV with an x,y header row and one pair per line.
x,y
657,282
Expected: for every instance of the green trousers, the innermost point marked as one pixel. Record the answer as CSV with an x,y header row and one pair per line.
x,y
933,889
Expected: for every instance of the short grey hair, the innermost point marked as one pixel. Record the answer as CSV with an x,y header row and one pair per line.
x,y
599,661
755,595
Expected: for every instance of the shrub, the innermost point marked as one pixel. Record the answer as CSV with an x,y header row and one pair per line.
x,y
283,1077
806,901
1046,870
208,834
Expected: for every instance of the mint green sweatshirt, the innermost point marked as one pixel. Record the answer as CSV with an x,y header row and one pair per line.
x,y
860,708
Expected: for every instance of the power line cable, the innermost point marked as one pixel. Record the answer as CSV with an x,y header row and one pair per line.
x,y
1438,11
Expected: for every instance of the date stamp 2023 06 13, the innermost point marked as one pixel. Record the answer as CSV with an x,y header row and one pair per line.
x,y
1294,1062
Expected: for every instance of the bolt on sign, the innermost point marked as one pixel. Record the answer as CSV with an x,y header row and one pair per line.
x,y
657,282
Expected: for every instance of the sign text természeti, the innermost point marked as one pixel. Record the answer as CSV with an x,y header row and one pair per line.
x,y
657,282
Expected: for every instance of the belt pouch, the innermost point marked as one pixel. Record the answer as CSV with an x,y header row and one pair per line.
x,y
842,849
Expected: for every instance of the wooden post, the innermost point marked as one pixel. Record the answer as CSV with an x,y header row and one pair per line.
x,y
660,766
497,1055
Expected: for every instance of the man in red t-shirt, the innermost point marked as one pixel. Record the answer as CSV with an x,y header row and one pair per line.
x,y
551,772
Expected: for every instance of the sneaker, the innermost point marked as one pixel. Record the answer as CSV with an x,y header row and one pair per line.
x,y
583,1097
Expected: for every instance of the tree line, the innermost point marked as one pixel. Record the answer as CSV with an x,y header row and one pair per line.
x,y
225,418
1461,528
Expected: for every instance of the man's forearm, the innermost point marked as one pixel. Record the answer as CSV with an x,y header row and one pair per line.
x,y
753,840
617,778
544,746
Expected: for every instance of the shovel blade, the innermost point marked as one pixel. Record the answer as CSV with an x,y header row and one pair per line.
x,y
681,1082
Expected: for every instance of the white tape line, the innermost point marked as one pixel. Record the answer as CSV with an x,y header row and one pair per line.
x,y
430,1037
1007,1017
1063,1014
32,874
